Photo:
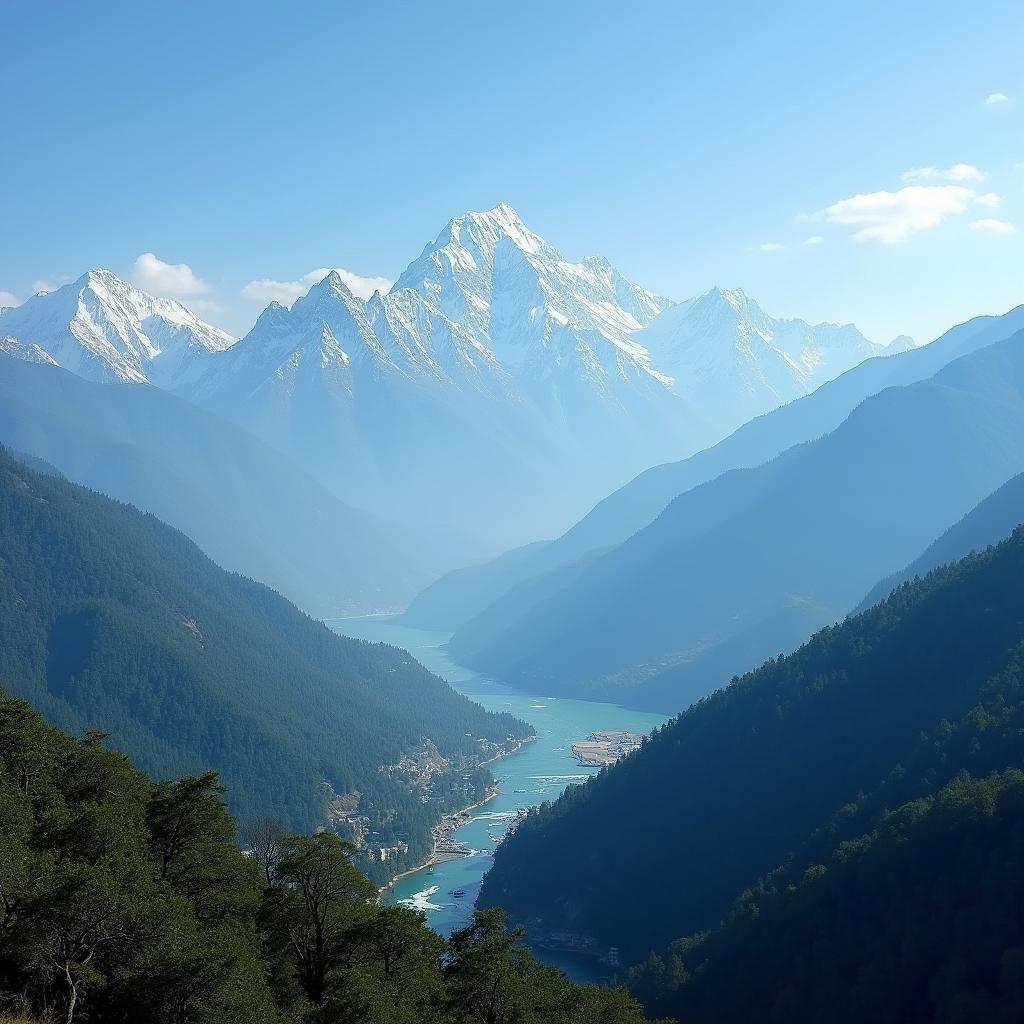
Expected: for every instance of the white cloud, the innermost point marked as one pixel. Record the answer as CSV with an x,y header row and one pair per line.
x,y
813,240
9,299
995,99
989,199
770,247
286,292
958,172
891,217
992,226
44,286
167,279
205,306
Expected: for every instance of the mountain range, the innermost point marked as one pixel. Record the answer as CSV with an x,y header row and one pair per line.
x,y
750,562
471,591
494,368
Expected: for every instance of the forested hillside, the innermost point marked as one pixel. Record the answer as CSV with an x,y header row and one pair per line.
x,y
112,620
915,922
125,901
800,764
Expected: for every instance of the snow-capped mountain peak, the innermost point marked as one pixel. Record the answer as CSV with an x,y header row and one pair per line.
x,y
104,328
537,313
493,357
724,351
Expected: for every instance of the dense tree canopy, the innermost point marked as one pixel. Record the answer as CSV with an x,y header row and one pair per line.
x,y
125,901
918,921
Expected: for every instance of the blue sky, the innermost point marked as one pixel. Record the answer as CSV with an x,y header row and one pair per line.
x,y
691,144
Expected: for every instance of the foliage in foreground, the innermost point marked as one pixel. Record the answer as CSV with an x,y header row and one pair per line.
x,y
126,901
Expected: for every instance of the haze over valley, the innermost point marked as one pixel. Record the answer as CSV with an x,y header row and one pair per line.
x,y
512,515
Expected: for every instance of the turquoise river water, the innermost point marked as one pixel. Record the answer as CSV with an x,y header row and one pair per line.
x,y
538,772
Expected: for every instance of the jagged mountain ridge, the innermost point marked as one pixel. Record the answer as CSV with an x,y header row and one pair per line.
x,y
106,329
724,344
494,368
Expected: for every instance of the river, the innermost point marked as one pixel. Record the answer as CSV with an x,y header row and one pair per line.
x,y
537,772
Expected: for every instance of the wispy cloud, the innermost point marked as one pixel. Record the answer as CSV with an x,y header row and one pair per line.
x,y
770,247
996,99
891,217
168,279
813,240
992,226
205,306
9,299
43,286
989,199
286,292
956,173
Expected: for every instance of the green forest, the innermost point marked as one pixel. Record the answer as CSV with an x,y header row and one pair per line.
x,y
917,922
126,901
834,837
112,620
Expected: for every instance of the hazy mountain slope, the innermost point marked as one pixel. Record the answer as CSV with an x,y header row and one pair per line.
x,y
240,500
788,762
748,564
987,523
453,600
116,621
495,370
460,594
404,441
103,328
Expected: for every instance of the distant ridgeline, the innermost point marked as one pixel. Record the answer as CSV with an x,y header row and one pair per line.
x,y
126,901
238,498
840,833
112,620
748,563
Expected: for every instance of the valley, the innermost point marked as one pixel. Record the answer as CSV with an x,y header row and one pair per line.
x,y
512,515
539,771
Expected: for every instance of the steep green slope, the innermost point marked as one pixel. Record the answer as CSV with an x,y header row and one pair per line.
x,y
465,594
915,922
241,501
751,563
113,620
125,901
784,765
988,523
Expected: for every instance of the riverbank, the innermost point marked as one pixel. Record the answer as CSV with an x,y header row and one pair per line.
x,y
444,828
539,771
453,821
